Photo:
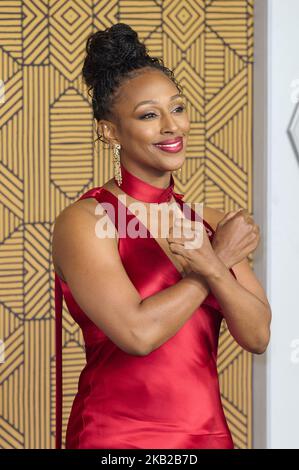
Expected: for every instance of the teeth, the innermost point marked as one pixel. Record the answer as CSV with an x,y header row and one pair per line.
x,y
169,145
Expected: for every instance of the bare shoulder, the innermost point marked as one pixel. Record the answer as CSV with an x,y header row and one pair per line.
x,y
77,219
70,216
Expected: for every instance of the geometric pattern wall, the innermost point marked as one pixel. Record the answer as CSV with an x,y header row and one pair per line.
x,y
48,158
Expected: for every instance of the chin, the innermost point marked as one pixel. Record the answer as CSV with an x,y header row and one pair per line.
x,y
169,161
175,166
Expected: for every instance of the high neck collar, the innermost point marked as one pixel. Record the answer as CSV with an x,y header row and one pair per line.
x,y
142,191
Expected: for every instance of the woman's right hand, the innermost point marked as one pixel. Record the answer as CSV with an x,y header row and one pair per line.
x,y
235,237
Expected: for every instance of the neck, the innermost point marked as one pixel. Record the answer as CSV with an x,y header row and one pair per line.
x,y
151,176
142,190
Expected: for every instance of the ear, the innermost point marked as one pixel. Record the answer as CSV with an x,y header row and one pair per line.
x,y
108,130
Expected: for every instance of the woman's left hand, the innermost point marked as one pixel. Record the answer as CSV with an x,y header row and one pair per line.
x,y
190,242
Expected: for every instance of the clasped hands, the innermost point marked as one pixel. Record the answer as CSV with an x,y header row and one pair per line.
x,y
235,237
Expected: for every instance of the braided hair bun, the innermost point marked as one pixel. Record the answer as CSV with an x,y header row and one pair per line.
x,y
112,56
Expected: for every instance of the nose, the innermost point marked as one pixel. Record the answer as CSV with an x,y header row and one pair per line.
x,y
169,124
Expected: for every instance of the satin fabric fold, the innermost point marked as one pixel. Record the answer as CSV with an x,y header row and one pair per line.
x,y
168,399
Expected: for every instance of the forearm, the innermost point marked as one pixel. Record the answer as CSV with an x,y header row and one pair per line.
x,y
247,317
163,314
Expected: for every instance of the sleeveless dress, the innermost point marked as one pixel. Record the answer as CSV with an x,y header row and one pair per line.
x,y
168,399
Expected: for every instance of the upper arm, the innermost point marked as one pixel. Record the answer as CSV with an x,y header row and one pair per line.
x,y
244,274
93,270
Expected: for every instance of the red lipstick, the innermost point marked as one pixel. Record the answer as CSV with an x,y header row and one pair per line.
x,y
171,145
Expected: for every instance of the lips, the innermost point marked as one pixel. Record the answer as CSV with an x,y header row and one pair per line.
x,y
169,141
173,145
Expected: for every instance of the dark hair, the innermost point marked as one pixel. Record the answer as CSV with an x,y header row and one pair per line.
x,y
114,55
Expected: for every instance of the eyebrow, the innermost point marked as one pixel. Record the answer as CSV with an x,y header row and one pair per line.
x,y
155,101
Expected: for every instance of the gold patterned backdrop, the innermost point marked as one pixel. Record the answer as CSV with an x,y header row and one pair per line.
x,y
48,159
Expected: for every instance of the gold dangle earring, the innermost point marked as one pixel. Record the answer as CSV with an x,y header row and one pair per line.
x,y
116,164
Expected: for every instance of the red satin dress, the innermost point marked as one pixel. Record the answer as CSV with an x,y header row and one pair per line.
x,y
168,399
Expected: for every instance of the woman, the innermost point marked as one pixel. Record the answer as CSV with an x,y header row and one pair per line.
x,y
150,308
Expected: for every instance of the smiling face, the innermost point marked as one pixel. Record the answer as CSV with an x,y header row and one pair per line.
x,y
138,127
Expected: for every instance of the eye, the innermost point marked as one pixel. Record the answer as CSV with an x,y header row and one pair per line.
x,y
182,107
145,115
